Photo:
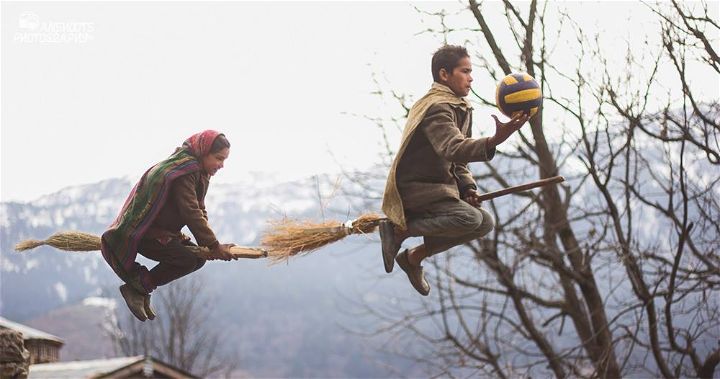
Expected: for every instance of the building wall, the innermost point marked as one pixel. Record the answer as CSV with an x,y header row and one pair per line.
x,y
42,351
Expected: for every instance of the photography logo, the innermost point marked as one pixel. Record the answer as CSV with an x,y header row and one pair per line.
x,y
28,22
33,30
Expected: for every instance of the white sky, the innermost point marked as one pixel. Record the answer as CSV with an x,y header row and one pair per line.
x,y
279,79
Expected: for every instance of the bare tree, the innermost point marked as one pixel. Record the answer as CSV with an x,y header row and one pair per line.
x,y
615,272
183,334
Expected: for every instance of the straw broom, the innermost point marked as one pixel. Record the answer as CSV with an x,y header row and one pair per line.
x,y
80,241
287,238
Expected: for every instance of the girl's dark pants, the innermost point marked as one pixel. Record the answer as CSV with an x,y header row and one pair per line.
x,y
174,259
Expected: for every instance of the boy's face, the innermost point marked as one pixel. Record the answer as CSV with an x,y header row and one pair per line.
x,y
459,80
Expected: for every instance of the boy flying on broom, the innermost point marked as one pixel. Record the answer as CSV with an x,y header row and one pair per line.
x,y
170,195
430,192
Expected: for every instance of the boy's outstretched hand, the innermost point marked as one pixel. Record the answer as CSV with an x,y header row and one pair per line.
x,y
503,130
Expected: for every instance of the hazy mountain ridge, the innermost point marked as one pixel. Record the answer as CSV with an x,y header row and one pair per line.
x,y
286,313
238,213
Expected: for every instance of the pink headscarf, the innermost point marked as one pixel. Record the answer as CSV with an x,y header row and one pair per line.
x,y
199,144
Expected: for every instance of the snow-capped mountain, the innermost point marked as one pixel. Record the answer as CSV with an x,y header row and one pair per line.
x,y
294,310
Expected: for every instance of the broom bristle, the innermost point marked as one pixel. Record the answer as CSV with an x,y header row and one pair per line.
x,y
287,238
67,241
366,223
28,244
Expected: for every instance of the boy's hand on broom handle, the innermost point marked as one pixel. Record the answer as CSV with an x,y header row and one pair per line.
x,y
472,197
222,251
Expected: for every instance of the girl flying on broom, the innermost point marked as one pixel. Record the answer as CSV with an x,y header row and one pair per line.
x,y
169,196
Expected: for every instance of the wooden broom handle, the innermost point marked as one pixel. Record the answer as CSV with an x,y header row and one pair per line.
x,y
522,187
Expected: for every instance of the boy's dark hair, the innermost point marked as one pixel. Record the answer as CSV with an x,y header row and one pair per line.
x,y
447,57
220,143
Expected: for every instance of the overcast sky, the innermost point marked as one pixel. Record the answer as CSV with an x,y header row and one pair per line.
x,y
113,88
132,81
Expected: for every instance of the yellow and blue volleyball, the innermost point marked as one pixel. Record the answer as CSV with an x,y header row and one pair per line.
x,y
518,92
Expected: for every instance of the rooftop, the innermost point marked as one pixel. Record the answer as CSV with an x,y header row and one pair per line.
x,y
28,332
80,369
99,368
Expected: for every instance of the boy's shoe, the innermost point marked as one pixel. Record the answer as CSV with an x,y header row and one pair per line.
x,y
390,246
149,311
134,300
414,273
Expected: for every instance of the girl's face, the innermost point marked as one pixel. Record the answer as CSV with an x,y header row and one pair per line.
x,y
213,162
